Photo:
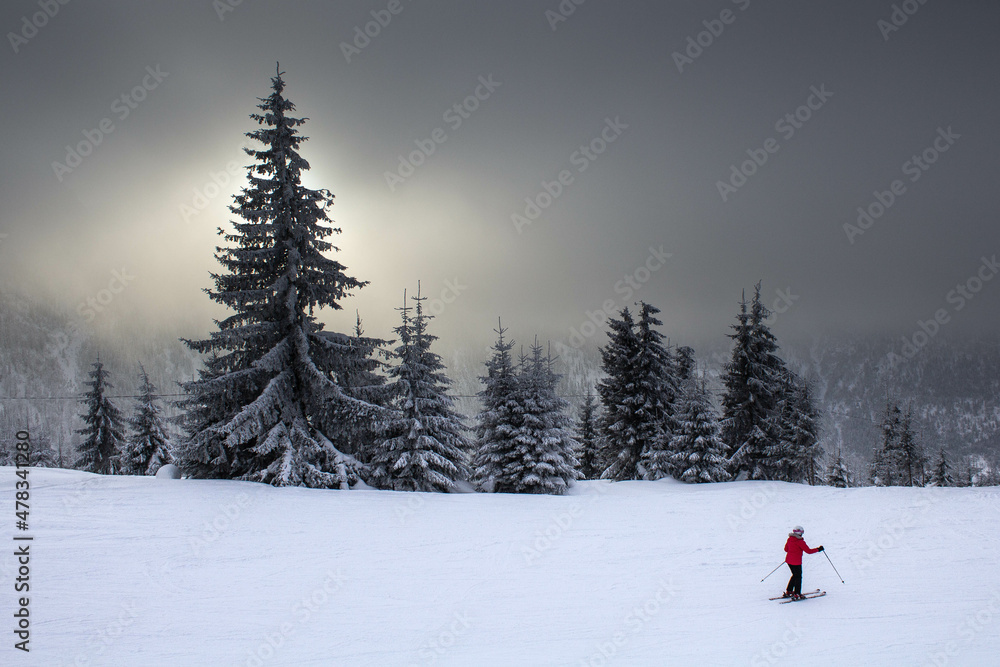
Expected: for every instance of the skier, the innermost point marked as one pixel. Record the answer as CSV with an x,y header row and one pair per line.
x,y
793,550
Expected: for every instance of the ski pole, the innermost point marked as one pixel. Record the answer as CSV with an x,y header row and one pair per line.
x,y
773,571
833,566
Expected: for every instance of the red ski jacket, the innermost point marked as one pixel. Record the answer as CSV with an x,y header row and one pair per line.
x,y
794,548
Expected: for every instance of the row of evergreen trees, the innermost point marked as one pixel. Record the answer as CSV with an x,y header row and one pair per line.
x,y
658,418
113,444
899,458
283,401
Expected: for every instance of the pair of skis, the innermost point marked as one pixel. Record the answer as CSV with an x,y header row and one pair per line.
x,y
808,595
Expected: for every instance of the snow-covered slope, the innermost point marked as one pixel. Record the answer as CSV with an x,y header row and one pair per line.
x,y
145,571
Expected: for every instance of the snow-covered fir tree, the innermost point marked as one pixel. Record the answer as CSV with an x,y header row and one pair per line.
x,y
989,475
624,429
898,459
547,448
589,453
147,446
422,447
884,470
269,406
941,475
837,473
910,458
636,398
795,458
496,463
103,433
966,474
684,364
697,451
41,454
524,444
755,381
363,380
656,369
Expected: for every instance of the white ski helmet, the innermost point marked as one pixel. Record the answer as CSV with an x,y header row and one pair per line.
x,y
798,531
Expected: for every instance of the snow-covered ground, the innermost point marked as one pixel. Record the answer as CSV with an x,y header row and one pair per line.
x,y
145,571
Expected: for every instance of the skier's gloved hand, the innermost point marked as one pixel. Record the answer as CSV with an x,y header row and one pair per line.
x,y
820,548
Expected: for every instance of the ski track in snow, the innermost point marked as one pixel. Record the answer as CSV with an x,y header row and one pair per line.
x,y
132,571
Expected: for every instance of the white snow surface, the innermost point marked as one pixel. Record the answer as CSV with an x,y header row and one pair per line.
x,y
146,571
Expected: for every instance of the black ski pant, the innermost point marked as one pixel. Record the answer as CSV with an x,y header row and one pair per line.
x,y
795,583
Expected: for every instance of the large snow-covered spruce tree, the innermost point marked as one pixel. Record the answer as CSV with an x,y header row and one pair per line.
x,y
269,406
422,446
147,447
696,450
755,379
103,434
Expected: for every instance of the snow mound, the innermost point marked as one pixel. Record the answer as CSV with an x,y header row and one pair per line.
x,y
169,471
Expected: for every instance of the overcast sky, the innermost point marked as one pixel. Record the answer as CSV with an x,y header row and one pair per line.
x,y
641,121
